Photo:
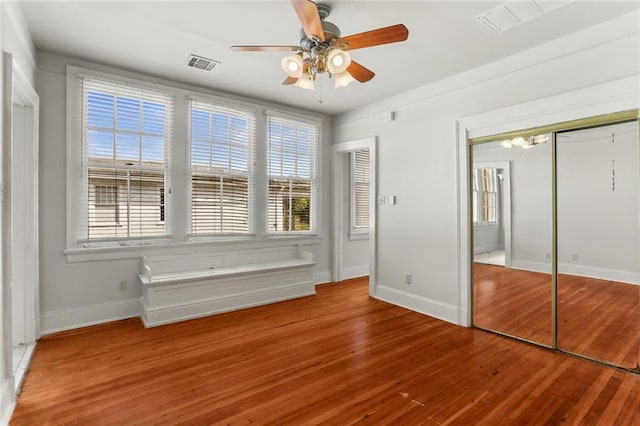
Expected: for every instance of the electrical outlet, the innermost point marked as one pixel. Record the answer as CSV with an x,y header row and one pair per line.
x,y
547,256
574,257
408,278
122,286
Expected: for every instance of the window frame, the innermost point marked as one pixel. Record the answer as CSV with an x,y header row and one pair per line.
x,y
78,165
478,195
358,232
220,103
315,171
177,180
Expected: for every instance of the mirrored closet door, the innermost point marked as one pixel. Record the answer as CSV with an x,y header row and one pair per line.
x,y
511,214
555,215
599,243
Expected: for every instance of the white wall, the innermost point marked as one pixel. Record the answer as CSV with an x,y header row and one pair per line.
x,y
418,152
15,39
78,292
597,223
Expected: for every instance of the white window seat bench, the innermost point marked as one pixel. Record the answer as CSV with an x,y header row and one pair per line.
x,y
177,287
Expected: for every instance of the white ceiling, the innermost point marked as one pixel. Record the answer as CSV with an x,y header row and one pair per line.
x,y
156,38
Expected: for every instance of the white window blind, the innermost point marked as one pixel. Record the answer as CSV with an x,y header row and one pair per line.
x,y
222,143
126,140
360,191
485,196
292,155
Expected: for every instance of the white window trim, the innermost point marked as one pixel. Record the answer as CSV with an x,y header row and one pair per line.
x,y
316,181
76,179
180,240
355,233
245,108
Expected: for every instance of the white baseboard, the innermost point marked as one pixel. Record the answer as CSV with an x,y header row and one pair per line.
x,y
68,319
580,271
527,265
321,277
7,402
355,272
423,305
600,273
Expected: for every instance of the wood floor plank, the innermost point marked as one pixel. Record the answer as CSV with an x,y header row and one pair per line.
x,y
596,318
339,357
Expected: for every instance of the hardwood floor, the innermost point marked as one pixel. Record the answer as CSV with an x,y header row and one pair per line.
x,y
336,358
596,318
512,301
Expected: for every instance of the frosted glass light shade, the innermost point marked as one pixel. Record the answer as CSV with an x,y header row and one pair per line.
x,y
306,82
292,66
338,61
343,79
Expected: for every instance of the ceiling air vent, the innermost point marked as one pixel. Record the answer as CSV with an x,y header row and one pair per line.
x,y
201,63
517,12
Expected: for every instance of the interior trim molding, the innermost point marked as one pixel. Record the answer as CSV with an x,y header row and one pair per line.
x,y
627,277
612,31
321,277
24,40
349,272
420,304
68,319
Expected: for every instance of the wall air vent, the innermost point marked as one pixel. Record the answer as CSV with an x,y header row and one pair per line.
x,y
201,63
517,12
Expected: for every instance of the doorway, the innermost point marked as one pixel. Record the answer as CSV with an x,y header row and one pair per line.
x,y
354,216
20,221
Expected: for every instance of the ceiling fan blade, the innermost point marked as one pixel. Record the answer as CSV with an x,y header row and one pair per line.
x,y
377,37
289,80
265,48
309,18
359,72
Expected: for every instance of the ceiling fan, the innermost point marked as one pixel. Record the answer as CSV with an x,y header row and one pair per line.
x,y
322,49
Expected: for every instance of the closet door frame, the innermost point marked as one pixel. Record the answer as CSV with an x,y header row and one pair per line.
x,y
582,109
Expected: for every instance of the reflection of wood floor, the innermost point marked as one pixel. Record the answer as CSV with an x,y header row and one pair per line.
x,y
596,318
337,358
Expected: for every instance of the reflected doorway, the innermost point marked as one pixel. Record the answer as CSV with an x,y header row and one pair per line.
x,y
511,216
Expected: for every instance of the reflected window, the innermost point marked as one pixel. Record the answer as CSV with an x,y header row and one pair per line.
x,y
485,196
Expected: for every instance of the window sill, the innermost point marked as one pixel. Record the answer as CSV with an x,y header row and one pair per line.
x,y
92,254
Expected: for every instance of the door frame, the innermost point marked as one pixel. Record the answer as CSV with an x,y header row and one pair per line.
x,y
505,218
18,90
337,172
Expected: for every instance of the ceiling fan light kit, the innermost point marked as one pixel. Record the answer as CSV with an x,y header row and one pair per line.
x,y
293,65
322,50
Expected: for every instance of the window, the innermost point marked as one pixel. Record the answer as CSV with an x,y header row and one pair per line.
x,y
126,132
238,172
292,152
360,191
485,196
221,142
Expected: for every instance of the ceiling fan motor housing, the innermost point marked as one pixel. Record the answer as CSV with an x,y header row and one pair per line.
x,y
331,32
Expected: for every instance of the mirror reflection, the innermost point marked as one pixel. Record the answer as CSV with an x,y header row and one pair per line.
x,y
599,243
512,230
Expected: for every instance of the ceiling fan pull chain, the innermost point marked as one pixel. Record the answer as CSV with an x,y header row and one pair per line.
x,y
319,80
